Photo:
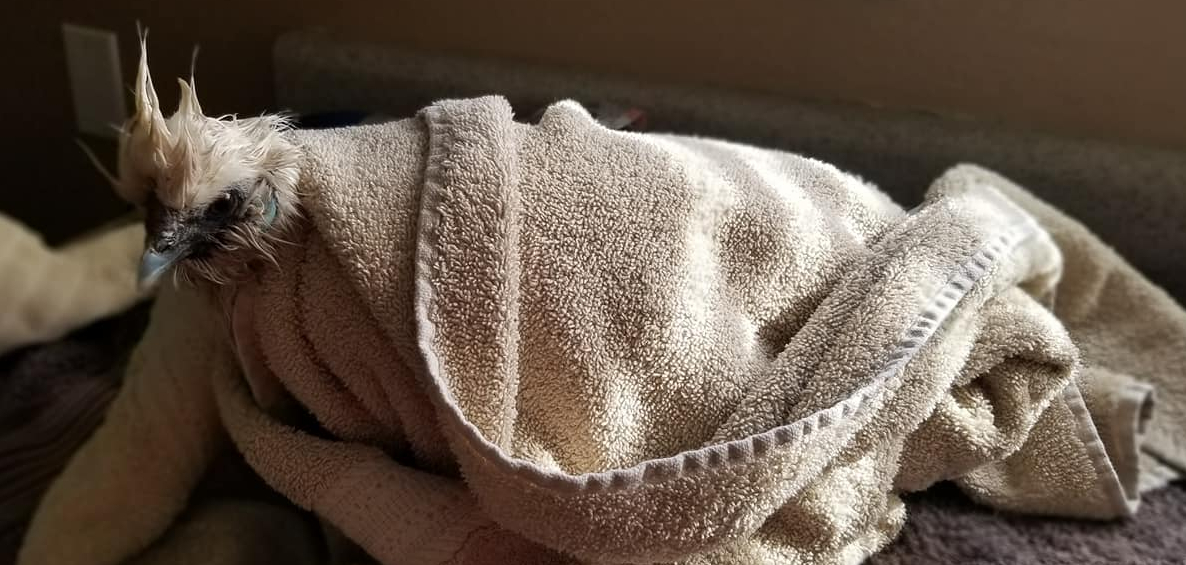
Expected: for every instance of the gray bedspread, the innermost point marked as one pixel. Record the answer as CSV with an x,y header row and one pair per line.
x,y
52,396
945,527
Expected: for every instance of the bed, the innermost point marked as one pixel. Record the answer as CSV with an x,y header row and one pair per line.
x,y
52,395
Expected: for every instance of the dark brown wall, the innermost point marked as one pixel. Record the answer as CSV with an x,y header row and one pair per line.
x,y
1088,67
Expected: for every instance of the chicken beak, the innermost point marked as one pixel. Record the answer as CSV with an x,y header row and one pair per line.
x,y
154,263
169,241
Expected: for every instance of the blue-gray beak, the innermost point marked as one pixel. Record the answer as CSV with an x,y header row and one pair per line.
x,y
154,263
170,240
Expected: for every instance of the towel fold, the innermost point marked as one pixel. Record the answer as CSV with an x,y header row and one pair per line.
x,y
47,292
554,342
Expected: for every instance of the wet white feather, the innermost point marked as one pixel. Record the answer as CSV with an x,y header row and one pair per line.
x,y
189,159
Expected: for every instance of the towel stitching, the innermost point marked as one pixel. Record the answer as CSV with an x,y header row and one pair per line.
x,y
1101,463
710,458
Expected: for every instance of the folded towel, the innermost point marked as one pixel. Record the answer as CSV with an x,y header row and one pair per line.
x,y
48,292
561,343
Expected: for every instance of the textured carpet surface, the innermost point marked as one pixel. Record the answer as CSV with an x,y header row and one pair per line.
x,y
945,527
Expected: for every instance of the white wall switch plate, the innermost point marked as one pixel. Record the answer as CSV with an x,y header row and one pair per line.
x,y
96,82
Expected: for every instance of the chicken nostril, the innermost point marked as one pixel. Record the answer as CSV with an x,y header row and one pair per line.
x,y
162,243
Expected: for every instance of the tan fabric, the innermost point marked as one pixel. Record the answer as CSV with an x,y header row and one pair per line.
x,y
735,356
127,484
560,343
233,532
47,292
1130,331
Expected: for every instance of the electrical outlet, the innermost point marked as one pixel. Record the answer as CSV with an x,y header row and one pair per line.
x,y
96,84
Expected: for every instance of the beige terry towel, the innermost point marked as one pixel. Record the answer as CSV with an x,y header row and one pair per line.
x,y
45,292
560,343
643,347
1131,335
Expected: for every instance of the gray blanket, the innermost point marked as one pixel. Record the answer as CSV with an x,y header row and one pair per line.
x,y
946,527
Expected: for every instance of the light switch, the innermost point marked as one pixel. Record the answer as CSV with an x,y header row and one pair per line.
x,y
96,82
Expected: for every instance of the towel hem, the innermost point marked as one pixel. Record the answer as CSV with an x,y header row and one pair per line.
x,y
708,458
1123,494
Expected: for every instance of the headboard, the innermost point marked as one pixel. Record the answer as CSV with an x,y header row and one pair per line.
x,y
1133,197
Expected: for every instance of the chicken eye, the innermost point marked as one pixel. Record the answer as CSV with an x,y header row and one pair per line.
x,y
224,205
